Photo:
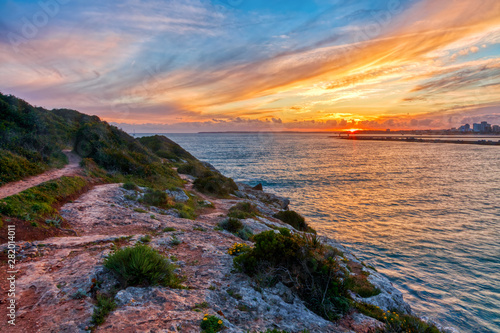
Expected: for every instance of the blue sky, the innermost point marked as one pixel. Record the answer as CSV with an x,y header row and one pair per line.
x,y
252,65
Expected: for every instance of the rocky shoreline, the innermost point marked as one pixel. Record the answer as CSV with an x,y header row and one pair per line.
x,y
58,275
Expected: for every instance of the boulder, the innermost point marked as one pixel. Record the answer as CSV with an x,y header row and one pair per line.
x,y
258,187
178,195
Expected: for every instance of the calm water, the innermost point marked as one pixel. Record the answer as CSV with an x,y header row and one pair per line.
x,y
426,215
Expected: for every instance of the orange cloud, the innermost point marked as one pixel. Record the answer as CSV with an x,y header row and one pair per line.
x,y
425,28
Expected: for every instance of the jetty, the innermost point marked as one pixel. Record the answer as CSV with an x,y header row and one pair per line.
x,y
419,139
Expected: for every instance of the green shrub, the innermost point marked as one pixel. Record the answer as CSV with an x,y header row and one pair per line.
x,y
130,186
102,309
168,229
297,262
39,201
238,248
199,306
215,184
145,239
156,198
140,266
231,224
56,222
395,322
211,324
185,211
175,241
243,210
245,233
294,219
14,167
361,286
193,168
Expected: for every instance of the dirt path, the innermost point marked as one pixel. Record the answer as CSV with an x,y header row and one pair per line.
x,y
70,169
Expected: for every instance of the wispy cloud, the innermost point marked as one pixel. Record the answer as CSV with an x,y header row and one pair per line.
x,y
185,62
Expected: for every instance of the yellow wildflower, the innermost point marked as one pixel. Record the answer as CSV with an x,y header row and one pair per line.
x,y
205,318
220,322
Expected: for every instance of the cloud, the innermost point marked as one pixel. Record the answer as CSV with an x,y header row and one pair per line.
x,y
199,60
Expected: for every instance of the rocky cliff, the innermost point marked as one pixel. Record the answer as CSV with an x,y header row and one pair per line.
x,y
57,275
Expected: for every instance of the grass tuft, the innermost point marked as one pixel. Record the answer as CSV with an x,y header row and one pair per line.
x,y
141,265
105,305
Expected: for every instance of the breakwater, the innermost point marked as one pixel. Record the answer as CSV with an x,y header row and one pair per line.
x,y
418,139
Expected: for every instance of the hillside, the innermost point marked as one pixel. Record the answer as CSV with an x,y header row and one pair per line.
x,y
32,140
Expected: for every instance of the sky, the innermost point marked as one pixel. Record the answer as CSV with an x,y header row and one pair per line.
x,y
254,65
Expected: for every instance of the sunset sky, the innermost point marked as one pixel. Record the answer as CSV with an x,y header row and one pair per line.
x,y
188,66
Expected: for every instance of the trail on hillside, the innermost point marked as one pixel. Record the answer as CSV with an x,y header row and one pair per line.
x,y
70,169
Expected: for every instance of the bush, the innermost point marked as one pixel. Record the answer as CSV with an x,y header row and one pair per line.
x,y
130,186
294,219
145,239
245,233
156,198
14,167
215,184
360,285
185,211
231,224
243,210
140,266
195,169
102,309
305,267
211,324
395,322
238,248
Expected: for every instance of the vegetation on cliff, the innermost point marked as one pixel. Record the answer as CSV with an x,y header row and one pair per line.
x,y
302,263
295,220
32,140
208,180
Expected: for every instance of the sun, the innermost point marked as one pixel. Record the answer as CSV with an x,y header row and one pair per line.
x,y
352,130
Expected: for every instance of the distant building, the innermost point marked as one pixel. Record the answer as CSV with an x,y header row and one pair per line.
x,y
485,127
464,128
388,130
495,129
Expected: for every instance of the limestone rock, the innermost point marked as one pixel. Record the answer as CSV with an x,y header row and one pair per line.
x,y
178,195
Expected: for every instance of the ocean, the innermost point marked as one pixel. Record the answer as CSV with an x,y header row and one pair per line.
x,y
427,215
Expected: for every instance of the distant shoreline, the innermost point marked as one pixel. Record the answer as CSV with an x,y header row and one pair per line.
x,y
418,139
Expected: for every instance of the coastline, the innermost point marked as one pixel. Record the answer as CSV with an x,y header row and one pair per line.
x,y
61,267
